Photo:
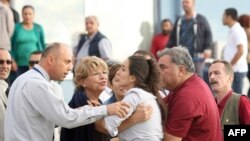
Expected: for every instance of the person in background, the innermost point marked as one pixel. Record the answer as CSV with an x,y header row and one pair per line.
x,y
139,77
34,58
192,112
41,109
160,40
117,93
16,19
192,31
244,21
6,25
14,12
234,109
106,94
27,37
235,50
94,43
5,66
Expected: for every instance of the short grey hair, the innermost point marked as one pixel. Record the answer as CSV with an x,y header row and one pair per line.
x,y
179,56
93,18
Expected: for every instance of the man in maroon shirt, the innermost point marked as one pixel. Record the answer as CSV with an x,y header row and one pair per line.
x,y
220,78
160,40
192,114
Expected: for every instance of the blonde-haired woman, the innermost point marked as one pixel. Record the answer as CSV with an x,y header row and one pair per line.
x,y
91,76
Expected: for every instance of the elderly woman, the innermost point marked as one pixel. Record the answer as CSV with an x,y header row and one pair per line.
x,y
27,37
140,78
91,76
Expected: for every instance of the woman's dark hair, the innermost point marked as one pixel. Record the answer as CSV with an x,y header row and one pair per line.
x,y
144,53
146,73
244,21
28,6
112,71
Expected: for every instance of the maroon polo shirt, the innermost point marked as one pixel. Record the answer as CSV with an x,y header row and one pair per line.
x,y
244,107
192,112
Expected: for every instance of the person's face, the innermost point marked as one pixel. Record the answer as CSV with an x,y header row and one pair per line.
x,y
125,80
62,63
28,15
188,5
219,80
116,87
34,59
224,19
166,27
96,81
5,64
91,25
170,72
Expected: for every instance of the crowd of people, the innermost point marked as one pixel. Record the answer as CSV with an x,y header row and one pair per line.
x,y
156,95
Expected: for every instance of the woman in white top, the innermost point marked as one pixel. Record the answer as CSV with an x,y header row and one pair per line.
x,y
140,77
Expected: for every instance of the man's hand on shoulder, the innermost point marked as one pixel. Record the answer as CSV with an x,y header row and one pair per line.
x,y
142,113
120,109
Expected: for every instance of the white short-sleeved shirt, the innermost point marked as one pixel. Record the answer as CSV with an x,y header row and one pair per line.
x,y
236,36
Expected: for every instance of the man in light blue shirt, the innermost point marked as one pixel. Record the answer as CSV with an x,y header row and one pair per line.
x,y
33,107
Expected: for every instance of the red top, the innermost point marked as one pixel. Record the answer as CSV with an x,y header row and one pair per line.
x,y
192,112
159,43
244,107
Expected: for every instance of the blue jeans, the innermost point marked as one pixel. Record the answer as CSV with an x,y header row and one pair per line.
x,y
199,66
238,81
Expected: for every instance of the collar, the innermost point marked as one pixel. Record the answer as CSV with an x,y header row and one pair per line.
x,y
3,84
184,83
44,73
224,100
235,25
91,37
194,16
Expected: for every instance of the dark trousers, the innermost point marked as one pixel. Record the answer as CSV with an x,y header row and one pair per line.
x,y
199,66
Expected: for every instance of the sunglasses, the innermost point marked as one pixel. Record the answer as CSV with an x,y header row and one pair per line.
x,y
8,62
32,63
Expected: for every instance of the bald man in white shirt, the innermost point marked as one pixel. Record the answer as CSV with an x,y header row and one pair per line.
x,y
34,109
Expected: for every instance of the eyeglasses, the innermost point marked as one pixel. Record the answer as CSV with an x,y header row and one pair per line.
x,y
8,62
32,63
